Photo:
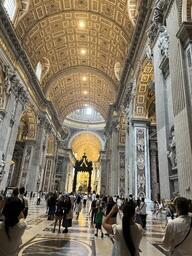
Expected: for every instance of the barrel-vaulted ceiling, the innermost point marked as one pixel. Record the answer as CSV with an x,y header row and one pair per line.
x,y
81,40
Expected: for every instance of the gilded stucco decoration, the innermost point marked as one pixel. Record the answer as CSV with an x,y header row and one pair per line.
x,y
142,93
21,10
186,10
118,70
51,144
28,126
132,7
76,89
86,143
76,35
122,131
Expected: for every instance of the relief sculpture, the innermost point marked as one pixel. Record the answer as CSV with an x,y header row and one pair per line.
x,y
140,158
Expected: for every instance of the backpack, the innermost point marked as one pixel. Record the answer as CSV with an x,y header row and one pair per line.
x,y
93,204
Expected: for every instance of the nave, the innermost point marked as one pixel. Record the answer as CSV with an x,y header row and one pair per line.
x,y
39,239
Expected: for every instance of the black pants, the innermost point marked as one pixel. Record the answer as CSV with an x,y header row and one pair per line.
x,y
93,214
143,220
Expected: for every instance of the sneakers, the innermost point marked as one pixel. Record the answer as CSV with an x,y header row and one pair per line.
x,y
65,231
102,235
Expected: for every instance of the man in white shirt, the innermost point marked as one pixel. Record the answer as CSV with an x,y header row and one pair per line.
x,y
93,196
178,233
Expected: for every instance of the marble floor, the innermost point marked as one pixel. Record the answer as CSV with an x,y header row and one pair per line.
x,y
80,241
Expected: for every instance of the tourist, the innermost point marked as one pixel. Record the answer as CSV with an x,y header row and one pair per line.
x,y
85,200
93,197
143,212
137,212
128,234
59,212
12,228
78,205
98,221
178,233
110,205
24,201
68,214
93,211
51,204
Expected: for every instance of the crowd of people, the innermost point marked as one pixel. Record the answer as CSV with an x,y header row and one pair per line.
x,y
104,211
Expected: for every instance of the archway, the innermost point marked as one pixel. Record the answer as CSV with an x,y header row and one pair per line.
x,y
23,148
89,144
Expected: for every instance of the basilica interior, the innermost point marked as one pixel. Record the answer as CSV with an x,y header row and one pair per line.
x,y
95,95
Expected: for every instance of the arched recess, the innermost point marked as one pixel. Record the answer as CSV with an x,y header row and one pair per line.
x,y
102,143
186,10
145,82
51,144
28,126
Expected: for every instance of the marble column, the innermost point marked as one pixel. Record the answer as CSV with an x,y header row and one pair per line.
x,y
171,47
16,100
103,173
154,171
141,160
113,189
121,173
36,168
26,163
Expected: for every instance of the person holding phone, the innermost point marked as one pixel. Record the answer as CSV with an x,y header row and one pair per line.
x,y
128,234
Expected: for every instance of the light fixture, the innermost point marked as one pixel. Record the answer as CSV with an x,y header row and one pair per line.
x,y
85,92
83,51
82,24
84,78
89,111
86,105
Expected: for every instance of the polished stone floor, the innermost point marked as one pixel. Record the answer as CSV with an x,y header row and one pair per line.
x,y
80,241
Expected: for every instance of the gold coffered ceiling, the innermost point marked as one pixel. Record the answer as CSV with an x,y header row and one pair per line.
x,y
79,38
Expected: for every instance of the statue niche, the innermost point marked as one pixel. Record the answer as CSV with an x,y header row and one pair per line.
x,y
171,153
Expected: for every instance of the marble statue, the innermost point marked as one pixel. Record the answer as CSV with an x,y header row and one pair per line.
x,y
171,153
164,41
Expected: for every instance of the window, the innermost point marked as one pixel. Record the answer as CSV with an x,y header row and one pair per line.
x,y
10,6
38,70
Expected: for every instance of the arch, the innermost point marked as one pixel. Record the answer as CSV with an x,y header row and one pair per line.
x,y
28,126
143,89
86,142
80,87
85,132
82,69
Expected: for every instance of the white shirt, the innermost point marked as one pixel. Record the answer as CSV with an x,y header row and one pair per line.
x,y
93,197
143,208
175,232
10,247
120,246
